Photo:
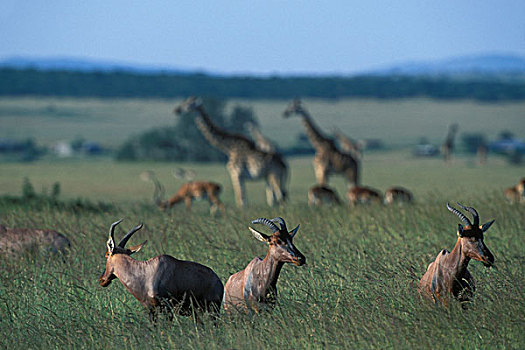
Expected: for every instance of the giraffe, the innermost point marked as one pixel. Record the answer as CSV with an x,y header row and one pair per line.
x,y
245,160
448,146
328,159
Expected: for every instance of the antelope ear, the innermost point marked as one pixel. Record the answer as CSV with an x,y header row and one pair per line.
x,y
294,231
259,235
486,225
460,230
111,245
137,247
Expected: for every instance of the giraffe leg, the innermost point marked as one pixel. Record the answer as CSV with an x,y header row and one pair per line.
x,y
237,183
273,190
238,188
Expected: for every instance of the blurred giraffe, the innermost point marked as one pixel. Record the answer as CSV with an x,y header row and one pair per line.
x,y
245,160
328,159
448,146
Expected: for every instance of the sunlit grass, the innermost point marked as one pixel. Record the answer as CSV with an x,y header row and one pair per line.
x,y
358,289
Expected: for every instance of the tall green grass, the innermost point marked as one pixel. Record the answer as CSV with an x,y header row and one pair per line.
x,y
358,289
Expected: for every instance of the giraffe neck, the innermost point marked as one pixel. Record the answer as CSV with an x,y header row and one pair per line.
x,y
314,134
215,135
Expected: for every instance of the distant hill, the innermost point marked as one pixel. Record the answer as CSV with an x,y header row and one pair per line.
x,y
85,65
468,66
464,66
483,78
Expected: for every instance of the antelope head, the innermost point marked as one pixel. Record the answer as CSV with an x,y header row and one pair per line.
x,y
188,105
280,243
294,107
106,277
471,236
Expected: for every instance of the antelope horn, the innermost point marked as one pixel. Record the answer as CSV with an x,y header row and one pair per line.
x,y
281,222
128,235
473,212
460,215
112,229
266,222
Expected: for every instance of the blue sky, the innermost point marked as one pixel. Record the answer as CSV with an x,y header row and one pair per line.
x,y
262,36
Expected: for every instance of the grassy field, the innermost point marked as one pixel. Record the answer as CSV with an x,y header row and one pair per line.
x,y
358,289
398,123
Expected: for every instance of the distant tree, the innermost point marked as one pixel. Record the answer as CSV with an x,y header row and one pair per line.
x,y
472,141
184,141
239,118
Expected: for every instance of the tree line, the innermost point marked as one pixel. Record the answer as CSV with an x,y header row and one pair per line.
x,y
23,82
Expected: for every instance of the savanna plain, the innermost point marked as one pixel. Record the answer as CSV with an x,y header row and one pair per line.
x,y
359,287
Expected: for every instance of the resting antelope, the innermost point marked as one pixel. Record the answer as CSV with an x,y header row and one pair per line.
x,y
363,195
163,282
187,192
20,240
398,194
516,194
319,194
448,274
257,283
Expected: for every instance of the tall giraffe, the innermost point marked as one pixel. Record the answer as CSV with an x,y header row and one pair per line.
x,y
328,159
448,146
245,160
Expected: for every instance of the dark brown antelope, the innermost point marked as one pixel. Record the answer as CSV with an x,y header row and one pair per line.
x,y
448,275
256,285
363,195
187,193
162,283
320,194
516,194
398,195
20,240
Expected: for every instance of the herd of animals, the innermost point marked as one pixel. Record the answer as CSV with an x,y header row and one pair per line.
x,y
168,285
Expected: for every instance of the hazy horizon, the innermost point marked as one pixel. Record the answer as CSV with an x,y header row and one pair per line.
x,y
293,37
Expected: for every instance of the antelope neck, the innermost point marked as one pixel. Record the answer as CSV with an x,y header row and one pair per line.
x,y
457,259
131,273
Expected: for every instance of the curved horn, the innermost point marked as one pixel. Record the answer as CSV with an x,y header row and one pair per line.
x,y
112,229
266,222
460,215
474,213
281,222
128,235
111,240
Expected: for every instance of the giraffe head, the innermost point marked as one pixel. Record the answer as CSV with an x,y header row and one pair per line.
x,y
190,104
295,107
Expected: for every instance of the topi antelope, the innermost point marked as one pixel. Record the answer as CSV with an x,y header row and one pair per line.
x,y
163,282
398,195
448,274
319,194
257,283
516,194
363,195
187,192
20,240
